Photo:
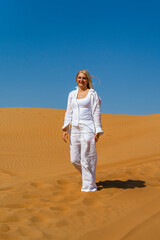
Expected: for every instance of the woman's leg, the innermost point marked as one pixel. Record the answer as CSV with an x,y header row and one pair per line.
x,y
75,151
88,162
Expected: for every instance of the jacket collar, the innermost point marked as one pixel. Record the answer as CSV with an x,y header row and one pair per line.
x,y
90,90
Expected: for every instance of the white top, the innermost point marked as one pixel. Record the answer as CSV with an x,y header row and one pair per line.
x,y
85,110
85,115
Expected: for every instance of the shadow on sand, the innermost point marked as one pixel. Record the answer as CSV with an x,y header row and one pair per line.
x,y
129,184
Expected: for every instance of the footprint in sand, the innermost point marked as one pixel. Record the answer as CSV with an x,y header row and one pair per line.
x,y
90,201
62,223
37,184
71,198
4,227
38,219
58,193
45,200
11,218
6,189
80,213
58,209
30,232
27,195
64,182
7,173
15,206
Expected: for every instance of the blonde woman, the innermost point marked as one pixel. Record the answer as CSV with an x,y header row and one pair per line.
x,y
83,123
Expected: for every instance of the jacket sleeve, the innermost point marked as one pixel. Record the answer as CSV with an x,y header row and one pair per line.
x,y
97,115
68,114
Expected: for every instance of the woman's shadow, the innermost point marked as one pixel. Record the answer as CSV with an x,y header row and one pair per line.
x,y
129,184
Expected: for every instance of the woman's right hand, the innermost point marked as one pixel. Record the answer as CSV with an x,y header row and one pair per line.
x,y
65,136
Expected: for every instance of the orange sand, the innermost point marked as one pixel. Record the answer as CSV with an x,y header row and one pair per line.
x,y
40,195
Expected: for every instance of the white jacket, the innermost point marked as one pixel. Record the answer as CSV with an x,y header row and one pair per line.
x,y
72,112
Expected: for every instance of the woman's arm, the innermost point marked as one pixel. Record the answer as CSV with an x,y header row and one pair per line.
x,y
67,119
97,116
68,114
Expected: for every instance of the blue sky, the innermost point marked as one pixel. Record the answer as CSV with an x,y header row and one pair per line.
x,y
43,44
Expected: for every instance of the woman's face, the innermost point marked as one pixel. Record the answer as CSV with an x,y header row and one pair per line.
x,y
82,81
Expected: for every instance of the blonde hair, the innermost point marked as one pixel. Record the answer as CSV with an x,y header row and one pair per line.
x,y
89,85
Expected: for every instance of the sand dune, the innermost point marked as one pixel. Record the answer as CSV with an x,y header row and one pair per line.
x,y
40,195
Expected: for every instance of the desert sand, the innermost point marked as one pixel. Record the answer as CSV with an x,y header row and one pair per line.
x,y
40,195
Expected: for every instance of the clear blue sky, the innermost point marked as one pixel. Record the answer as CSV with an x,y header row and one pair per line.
x,y
43,44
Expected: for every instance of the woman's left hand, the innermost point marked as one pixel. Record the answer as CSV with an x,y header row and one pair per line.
x,y
96,137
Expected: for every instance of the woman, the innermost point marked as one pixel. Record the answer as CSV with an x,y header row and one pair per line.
x,y
83,123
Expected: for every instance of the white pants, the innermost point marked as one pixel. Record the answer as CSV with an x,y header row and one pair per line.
x,y
84,156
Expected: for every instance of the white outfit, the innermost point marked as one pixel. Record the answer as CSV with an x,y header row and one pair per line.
x,y
84,118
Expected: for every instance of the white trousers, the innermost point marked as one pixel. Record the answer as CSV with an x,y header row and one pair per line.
x,y
84,156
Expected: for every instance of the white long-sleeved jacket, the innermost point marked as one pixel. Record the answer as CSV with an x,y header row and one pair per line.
x,y
72,112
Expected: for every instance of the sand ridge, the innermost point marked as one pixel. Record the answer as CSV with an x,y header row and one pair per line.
x,y
40,195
